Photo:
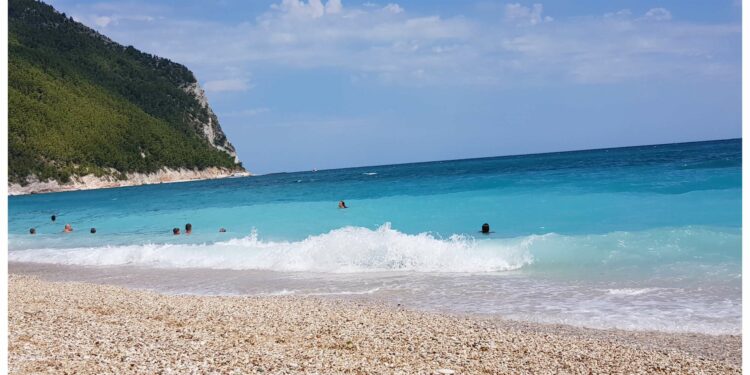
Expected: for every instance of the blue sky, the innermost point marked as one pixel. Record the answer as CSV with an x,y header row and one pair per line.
x,y
299,85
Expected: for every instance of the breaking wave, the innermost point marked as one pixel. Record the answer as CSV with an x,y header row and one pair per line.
x,y
351,249
343,250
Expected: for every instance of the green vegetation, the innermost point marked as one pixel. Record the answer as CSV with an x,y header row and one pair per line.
x,y
80,103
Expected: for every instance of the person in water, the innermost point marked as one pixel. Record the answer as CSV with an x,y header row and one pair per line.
x,y
175,231
93,230
486,228
32,231
68,228
53,217
188,228
342,204
222,230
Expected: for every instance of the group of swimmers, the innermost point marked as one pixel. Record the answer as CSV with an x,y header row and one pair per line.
x,y
189,230
67,229
189,227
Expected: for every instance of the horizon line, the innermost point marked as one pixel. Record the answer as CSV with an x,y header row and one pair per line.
x,y
501,156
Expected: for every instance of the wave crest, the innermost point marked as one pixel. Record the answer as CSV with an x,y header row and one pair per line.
x,y
343,250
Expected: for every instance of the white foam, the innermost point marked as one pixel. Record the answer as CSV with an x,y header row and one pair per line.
x,y
344,292
631,291
343,250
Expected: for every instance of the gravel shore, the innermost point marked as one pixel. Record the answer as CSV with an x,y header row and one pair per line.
x,y
87,328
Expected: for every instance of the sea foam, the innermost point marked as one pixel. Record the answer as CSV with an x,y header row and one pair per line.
x,y
344,250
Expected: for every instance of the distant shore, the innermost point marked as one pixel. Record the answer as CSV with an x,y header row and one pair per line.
x,y
90,182
90,328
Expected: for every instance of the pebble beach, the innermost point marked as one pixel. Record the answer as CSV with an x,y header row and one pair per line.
x,y
66,327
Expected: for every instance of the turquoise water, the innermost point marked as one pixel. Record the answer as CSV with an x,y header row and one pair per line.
x,y
637,238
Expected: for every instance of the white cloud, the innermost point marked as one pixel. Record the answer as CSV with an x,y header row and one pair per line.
x,y
393,8
658,14
334,6
102,21
311,8
369,43
112,18
227,85
524,15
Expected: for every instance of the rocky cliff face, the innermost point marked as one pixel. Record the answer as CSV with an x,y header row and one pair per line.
x,y
209,129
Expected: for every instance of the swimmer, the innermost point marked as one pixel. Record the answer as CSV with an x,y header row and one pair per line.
x,y
68,228
53,217
188,228
342,204
32,231
485,228
222,230
176,231
92,230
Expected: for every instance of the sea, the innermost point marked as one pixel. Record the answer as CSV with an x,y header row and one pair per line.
x,y
636,238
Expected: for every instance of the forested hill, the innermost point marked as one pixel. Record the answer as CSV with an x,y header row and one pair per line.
x,y
81,104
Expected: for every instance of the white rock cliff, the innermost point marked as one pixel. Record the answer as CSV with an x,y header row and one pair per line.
x,y
210,130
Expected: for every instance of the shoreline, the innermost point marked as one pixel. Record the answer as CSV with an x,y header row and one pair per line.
x,y
92,182
249,282
71,326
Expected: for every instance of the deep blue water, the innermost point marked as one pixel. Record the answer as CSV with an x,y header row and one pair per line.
x,y
651,232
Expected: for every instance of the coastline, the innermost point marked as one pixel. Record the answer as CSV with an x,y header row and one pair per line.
x,y
91,328
90,182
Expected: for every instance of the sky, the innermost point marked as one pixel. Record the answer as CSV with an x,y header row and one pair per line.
x,y
317,84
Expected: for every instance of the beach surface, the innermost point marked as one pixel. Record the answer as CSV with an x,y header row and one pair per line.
x,y
59,327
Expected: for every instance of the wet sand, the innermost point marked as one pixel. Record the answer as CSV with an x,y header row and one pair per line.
x,y
71,327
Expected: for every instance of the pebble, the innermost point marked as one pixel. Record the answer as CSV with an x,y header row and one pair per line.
x,y
64,327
